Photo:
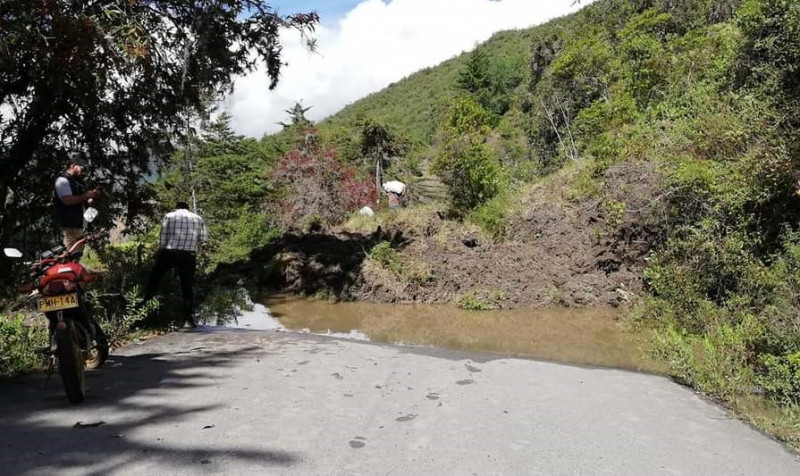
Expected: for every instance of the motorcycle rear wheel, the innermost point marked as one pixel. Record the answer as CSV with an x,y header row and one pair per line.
x,y
70,364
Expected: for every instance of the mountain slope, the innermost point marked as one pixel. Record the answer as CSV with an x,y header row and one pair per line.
x,y
415,105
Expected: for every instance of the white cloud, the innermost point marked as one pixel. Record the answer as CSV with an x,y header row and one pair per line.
x,y
375,44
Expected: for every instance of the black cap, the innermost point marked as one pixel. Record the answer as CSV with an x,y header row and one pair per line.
x,y
77,159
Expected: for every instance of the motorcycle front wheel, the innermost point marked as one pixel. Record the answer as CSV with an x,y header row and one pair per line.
x,y
70,363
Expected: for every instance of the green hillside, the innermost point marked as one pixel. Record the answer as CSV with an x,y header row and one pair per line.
x,y
415,106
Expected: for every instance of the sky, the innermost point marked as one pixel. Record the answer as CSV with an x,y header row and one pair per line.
x,y
364,45
330,11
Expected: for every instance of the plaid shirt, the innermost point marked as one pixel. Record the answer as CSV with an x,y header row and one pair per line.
x,y
182,230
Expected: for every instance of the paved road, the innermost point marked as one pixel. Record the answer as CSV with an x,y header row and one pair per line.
x,y
247,402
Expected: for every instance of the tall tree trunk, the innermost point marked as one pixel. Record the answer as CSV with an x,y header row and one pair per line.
x,y
3,212
6,229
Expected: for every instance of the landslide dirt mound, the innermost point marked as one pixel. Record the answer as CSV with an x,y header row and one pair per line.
x,y
559,251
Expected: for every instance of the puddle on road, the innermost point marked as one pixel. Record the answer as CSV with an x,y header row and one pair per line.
x,y
578,336
258,319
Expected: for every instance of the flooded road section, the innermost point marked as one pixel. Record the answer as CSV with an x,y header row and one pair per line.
x,y
575,336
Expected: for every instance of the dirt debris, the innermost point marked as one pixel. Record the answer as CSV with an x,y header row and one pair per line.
x,y
558,251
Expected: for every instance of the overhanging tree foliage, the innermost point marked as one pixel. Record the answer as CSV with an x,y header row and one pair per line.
x,y
117,79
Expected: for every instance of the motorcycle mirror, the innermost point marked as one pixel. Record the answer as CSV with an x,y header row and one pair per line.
x,y
12,252
90,214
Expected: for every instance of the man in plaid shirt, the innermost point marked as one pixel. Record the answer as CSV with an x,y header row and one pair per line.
x,y
181,233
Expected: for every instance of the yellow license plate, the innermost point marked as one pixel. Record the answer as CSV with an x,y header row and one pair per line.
x,y
58,303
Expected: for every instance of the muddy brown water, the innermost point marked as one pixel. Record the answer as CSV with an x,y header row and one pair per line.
x,y
575,336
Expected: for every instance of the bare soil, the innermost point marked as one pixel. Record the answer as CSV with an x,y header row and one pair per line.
x,y
558,251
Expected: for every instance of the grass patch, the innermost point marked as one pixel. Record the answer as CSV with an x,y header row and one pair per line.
x,y
386,257
585,186
493,216
418,272
410,271
481,300
412,220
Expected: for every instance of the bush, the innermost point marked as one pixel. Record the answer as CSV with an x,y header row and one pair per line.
x,y
236,239
491,80
18,345
641,45
715,362
493,215
586,67
119,315
386,257
471,172
117,295
465,163
602,129
727,320
781,378
771,54
314,182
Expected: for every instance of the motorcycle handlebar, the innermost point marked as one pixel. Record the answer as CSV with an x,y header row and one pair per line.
x,y
38,267
79,244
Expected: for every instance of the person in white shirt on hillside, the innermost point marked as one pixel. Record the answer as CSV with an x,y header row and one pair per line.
x,y
181,233
397,193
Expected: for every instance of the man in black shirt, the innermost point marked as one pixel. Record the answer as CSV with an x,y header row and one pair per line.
x,y
69,197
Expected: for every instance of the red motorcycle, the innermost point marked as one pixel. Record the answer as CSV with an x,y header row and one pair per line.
x,y
59,287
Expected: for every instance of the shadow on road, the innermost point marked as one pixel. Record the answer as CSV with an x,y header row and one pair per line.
x,y
39,431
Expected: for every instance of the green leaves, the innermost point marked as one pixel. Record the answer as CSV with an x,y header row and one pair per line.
x,y
386,257
641,46
18,345
491,80
228,176
586,67
465,162
781,378
117,80
772,44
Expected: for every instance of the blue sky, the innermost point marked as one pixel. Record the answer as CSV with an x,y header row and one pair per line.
x,y
330,11
364,45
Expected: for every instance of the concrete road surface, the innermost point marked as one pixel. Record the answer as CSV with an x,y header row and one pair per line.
x,y
250,402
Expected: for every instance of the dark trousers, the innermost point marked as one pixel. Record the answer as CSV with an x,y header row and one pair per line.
x,y
185,262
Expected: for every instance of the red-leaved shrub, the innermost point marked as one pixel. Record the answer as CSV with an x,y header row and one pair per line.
x,y
314,183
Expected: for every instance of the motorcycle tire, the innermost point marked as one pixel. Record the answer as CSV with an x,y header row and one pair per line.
x,y
98,350
70,364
